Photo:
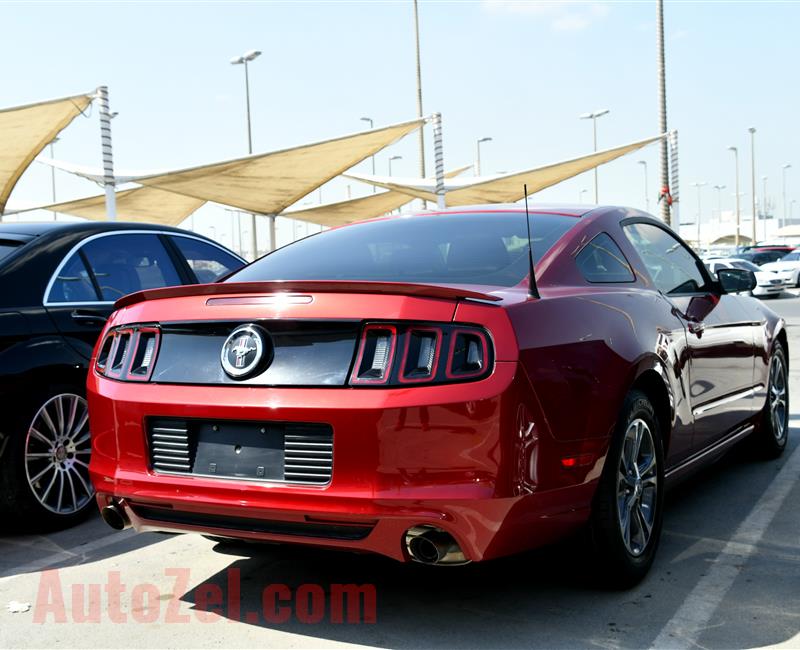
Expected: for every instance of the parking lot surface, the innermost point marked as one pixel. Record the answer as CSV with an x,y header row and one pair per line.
x,y
727,575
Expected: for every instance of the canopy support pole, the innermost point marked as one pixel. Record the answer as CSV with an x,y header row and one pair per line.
x,y
438,158
108,158
273,235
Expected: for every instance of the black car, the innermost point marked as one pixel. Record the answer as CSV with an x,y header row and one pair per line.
x,y
58,284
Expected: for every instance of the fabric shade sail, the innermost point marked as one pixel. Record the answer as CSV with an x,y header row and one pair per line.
x,y
506,188
140,204
26,130
350,210
271,182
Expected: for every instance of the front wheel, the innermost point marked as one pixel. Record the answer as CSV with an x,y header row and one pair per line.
x,y
627,509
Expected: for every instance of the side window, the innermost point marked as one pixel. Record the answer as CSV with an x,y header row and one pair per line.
x,y
670,264
126,263
73,284
208,262
601,260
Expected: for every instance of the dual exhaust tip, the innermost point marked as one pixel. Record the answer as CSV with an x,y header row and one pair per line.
x,y
432,545
114,515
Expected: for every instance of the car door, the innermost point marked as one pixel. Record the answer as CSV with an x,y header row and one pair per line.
x,y
719,327
103,268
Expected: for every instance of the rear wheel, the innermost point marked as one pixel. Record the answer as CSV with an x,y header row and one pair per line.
x,y
627,509
773,429
45,481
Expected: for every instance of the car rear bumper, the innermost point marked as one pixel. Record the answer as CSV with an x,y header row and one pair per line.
x,y
457,457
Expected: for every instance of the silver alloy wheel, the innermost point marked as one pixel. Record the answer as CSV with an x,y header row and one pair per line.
x,y
777,398
637,482
57,451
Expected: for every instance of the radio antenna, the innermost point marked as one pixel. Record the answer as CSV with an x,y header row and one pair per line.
x,y
533,290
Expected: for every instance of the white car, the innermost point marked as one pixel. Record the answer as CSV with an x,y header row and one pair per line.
x,y
789,263
769,283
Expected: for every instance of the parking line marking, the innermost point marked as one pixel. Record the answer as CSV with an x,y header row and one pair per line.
x,y
76,551
692,617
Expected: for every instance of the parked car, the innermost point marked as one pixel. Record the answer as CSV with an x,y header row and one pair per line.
x,y
789,263
401,386
58,284
761,255
770,283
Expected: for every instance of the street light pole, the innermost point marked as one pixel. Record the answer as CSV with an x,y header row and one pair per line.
x,y
783,172
719,189
246,58
764,204
419,94
698,186
662,108
752,131
390,162
593,117
738,213
643,163
478,155
371,126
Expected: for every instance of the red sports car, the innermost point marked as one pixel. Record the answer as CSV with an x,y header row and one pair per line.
x,y
405,386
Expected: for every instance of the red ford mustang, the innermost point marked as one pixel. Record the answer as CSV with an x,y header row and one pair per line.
x,y
401,386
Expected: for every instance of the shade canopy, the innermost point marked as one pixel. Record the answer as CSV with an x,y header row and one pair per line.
x,y
350,210
271,182
26,130
792,230
503,188
140,204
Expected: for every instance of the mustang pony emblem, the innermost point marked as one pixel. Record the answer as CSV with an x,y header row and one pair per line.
x,y
244,350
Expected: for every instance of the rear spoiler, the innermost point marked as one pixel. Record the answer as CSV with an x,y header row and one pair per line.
x,y
309,286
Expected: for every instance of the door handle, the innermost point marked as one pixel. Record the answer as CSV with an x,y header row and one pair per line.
x,y
88,318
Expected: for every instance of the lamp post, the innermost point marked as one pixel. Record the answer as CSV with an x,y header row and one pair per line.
x,y
371,126
662,110
419,94
478,155
580,195
764,204
390,162
53,177
752,131
246,58
643,163
593,117
783,173
719,189
698,185
738,213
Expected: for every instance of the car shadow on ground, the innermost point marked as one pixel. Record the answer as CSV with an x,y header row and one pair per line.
x,y
546,598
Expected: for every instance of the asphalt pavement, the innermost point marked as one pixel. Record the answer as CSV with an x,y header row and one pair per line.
x,y
727,575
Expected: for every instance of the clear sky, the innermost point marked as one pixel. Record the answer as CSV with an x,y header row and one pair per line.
x,y
519,72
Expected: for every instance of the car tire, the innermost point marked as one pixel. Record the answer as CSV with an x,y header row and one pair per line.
x,y
627,510
772,431
44,457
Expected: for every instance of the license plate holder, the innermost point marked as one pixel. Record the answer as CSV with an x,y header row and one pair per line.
x,y
240,450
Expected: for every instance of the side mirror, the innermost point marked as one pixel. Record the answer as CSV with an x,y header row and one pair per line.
x,y
736,280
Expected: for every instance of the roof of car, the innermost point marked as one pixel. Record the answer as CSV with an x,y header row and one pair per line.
x,y
36,228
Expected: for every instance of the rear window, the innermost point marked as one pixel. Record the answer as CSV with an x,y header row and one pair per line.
x,y
481,249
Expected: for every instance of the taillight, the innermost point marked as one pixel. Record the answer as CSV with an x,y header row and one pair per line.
x,y
128,353
375,355
392,354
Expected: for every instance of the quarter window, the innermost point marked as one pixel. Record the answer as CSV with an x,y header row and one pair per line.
x,y
671,265
601,260
208,262
73,283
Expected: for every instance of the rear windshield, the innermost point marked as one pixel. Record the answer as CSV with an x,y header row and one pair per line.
x,y
482,249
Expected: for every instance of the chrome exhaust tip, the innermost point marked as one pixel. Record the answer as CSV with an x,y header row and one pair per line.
x,y
432,545
115,517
